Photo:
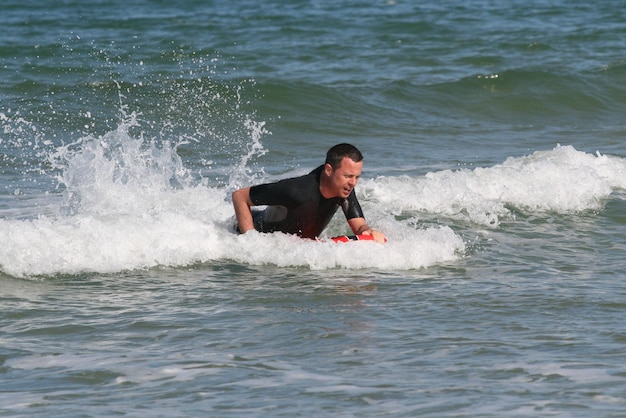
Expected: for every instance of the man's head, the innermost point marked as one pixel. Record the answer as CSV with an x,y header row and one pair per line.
x,y
339,151
342,170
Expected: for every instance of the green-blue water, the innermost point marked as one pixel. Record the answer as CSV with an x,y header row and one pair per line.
x,y
495,163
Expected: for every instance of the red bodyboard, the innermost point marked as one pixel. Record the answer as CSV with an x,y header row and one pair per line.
x,y
348,238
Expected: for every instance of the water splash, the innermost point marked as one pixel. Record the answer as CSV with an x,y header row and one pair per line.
x,y
116,173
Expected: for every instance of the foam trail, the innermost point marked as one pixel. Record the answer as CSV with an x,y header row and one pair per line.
x,y
104,243
561,180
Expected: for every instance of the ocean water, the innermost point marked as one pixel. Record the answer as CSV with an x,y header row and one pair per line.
x,y
495,163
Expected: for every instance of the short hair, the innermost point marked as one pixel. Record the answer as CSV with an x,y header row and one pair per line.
x,y
339,151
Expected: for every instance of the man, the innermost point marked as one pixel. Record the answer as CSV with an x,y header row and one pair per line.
x,y
305,205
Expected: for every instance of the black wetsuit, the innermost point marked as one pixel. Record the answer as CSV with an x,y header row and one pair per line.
x,y
296,206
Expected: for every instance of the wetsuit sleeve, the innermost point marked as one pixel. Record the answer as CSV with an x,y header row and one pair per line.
x,y
351,207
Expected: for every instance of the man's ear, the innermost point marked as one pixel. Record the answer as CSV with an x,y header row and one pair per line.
x,y
328,169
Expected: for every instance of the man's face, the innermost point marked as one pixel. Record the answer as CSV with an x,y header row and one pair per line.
x,y
344,178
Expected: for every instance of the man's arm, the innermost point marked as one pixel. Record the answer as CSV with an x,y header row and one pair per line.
x,y
242,203
359,226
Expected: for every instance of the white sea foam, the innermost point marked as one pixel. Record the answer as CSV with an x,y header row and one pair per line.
x,y
561,180
131,204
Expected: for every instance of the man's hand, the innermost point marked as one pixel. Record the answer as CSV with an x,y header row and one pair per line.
x,y
379,237
359,226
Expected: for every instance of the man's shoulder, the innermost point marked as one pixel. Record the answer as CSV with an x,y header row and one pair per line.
x,y
304,182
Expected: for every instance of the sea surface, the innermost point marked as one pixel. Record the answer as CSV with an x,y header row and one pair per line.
x,y
494,136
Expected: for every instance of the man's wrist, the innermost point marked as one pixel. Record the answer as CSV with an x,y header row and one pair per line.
x,y
364,229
